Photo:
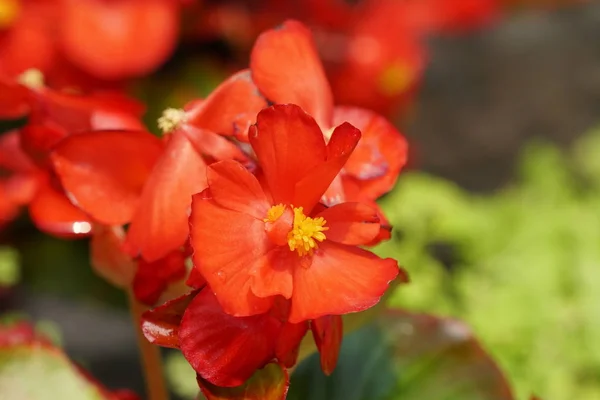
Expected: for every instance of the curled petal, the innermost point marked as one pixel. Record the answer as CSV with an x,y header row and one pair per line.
x,y
380,154
160,325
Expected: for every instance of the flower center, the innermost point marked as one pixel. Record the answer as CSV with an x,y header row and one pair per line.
x,y
9,11
32,78
305,233
395,79
170,119
274,213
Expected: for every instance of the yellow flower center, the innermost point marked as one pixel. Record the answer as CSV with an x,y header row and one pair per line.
x,y
32,78
274,213
305,233
395,79
170,119
9,12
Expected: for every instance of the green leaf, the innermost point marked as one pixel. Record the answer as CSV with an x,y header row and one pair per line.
x,y
32,369
405,356
269,383
9,266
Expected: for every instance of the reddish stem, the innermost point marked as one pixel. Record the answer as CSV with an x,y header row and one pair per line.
x,y
156,388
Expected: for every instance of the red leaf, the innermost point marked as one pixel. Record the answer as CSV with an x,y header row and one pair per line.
x,y
327,332
119,39
101,168
269,383
225,350
161,324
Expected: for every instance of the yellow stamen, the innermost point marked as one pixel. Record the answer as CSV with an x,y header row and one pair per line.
x,y
395,79
32,78
306,232
274,213
170,119
9,12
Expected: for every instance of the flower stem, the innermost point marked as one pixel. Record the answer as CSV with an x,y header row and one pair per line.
x,y
156,388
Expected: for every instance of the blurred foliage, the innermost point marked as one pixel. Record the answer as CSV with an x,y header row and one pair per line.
x,y
9,266
521,267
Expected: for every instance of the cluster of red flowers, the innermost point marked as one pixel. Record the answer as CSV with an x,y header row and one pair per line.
x,y
85,43
266,185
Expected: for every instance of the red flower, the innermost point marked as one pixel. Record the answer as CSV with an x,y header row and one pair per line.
x,y
160,223
120,38
253,244
286,69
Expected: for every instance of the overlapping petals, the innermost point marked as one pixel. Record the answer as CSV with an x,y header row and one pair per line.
x,y
382,150
246,266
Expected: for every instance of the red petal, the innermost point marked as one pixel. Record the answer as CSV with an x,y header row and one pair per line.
x,y
328,332
341,280
38,139
227,244
288,144
118,39
161,324
311,188
213,145
223,349
13,99
269,383
288,345
53,213
100,169
380,155
231,107
12,156
272,275
152,278
195,279
160,224
108,259
234,188
351,223
286,68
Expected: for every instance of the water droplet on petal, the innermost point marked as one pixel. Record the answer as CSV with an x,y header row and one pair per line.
x,y
221,275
